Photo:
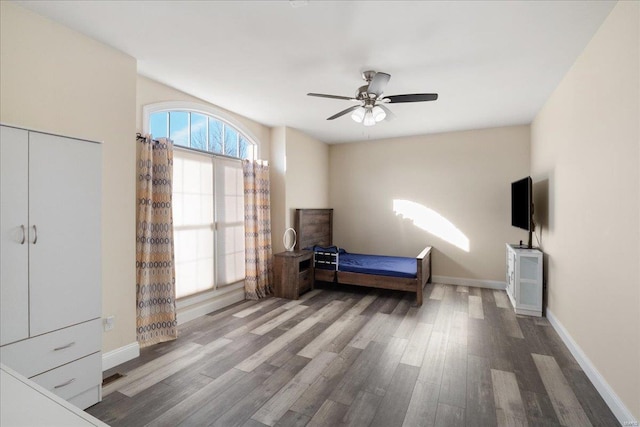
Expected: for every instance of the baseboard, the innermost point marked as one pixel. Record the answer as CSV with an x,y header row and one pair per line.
x,y
200,308
192,312
478,283
120,355
621,412
131,351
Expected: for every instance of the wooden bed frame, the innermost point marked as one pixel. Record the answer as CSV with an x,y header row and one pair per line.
x,y
315,227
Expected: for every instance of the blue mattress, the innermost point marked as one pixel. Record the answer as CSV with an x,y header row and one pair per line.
x,y
377,264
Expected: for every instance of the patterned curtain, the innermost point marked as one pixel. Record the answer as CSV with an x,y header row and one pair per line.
x,y
257,229
155,270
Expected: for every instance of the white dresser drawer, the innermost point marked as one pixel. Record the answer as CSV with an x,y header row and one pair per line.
x,y
42,353
73,379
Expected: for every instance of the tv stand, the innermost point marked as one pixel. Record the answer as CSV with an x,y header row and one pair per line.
x,y
524,279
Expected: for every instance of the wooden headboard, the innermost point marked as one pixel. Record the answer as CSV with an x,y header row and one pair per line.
x,y
313,227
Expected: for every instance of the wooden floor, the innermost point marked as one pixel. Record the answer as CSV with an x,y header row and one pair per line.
x,y
359,357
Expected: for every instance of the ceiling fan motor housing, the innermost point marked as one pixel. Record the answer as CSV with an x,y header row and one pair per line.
x,y
362,93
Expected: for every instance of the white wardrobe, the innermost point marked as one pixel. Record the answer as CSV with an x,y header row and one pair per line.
x,y
50,262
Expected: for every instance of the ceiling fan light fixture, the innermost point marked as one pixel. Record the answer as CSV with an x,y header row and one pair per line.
x,y
369,120
358,114
378,113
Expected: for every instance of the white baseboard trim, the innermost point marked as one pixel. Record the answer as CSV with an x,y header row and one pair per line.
x,y
192,312
622,413
186,313
120,355
478,283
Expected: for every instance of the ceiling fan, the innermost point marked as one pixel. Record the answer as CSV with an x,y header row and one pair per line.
x,y
371,106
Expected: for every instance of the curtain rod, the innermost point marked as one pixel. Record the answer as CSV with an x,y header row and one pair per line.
x,y
139,136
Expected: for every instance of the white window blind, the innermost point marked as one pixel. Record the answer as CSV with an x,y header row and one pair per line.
x,y
193,222
208,224
230,221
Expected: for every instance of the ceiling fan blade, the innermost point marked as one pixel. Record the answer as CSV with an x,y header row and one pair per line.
x,y
322,95
378,83
390,116
413,97
343,112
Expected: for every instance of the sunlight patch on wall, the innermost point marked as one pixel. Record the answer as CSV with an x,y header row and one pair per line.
x,y
431,222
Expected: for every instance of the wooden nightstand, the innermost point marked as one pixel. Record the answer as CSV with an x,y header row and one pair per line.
x,y
293,273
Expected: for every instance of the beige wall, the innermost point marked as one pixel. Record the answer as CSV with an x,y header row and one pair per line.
x,y
585,163
299,178
277,170
458,180
307,174
55,80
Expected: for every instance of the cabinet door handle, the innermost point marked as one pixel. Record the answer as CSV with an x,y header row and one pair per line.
x,y
64,384
24,235
64,346
35,235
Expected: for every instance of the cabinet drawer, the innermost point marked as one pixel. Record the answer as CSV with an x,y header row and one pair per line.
x,y
73,379
304,281
42,353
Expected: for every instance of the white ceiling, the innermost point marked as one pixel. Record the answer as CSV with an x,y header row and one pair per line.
x,y
493,63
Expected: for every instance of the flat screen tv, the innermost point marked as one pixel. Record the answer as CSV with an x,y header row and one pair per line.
x,y
522,205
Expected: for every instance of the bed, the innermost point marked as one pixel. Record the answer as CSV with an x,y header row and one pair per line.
x,y
314,229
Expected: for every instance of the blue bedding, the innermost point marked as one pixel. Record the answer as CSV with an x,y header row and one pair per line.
x,y
377,264
380,265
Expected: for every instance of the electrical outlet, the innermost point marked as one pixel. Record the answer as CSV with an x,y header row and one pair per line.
x,y
109,322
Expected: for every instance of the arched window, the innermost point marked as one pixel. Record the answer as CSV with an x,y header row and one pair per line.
x,y
199,127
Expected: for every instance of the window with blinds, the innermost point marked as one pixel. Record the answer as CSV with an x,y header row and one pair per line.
x,y
208,193
229,210
208,209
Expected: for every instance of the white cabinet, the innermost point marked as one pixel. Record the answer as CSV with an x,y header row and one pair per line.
x,y
50,262
24,403
524,280
14,226
64,208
